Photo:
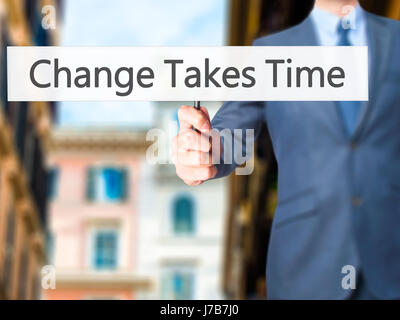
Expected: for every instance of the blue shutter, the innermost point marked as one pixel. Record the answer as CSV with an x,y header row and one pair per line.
x,y
112,182
90,183
124,184
116,183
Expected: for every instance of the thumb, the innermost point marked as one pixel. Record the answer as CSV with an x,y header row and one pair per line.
x,y
205,111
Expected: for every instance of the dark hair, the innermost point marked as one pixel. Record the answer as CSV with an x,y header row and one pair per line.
x,y
277,15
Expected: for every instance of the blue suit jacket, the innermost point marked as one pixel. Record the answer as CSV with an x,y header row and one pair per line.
x,y
338,196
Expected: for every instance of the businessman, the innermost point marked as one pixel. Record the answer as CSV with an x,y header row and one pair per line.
x,y
338,162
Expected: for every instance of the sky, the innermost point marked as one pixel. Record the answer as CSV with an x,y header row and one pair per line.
x,y
135,23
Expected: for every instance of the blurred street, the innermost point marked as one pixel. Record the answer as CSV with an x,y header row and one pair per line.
x,y
84,214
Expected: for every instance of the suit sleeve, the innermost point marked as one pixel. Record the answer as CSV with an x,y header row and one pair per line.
x,y
232,120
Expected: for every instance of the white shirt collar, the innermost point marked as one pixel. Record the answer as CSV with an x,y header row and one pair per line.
x,y
327,23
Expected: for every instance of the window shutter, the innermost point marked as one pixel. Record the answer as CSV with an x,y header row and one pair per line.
x,y
90,183
124,183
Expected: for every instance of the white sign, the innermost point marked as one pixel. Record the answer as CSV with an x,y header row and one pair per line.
x,y
187,73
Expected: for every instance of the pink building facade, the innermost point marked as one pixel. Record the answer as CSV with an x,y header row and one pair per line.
x,y
93,219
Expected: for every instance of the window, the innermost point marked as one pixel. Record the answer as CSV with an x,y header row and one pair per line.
x,y
183,215
105,250
106,184
177,284
52,185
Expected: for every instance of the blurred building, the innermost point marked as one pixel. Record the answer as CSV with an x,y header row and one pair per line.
x,y
94,213
123,227
252,199
181,227
24,137
176,232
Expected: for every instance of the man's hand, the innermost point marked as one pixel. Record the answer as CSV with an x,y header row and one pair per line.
x,y
192,150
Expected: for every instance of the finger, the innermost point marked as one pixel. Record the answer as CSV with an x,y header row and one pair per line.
x,y
193,183
205,111
190,117
189,139
192,158
196,174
